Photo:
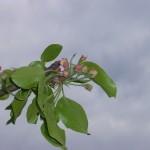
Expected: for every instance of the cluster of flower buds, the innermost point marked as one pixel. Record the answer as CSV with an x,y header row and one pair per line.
x,y
64,69
84,69
67,71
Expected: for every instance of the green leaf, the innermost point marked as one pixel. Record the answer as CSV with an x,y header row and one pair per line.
x,y
4,97
51,52
11,120
45,93
53,129
17,106
44,131
103,79
27,77
9,107
38,64
72,115
33,112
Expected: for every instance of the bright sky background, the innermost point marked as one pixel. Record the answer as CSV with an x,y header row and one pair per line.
x,y
113,33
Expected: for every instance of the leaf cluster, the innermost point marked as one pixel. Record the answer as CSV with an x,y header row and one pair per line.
x,y
50,104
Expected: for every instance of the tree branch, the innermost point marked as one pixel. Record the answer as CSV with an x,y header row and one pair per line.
x,y
12,88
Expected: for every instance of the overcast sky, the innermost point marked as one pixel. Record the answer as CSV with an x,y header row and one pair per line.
x,y
113,33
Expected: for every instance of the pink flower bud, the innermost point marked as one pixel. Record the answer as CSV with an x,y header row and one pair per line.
x,y
88,87
64,63
82,59
77,67
58,69
93,72
0,68
65,73
85,69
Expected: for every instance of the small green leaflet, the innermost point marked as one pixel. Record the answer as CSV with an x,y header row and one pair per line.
x,y
72,115
27,77
33,112
51,52
103,79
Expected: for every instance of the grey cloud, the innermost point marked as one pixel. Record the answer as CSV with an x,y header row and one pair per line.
x,y
113,33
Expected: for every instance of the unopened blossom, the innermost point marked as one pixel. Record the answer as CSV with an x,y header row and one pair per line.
x,y
84,69
77,67
65,73
88,87
82,59
64,63
58,69
93,72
